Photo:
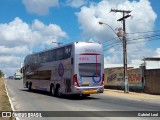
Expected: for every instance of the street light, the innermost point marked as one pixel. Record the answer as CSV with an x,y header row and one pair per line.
x,y
101,23
126,90
58,43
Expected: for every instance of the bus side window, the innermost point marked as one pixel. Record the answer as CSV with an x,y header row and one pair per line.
x,y
59,54
53,55
67,52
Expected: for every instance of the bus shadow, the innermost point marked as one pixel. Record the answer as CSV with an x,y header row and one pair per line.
x,y
69,97
78,97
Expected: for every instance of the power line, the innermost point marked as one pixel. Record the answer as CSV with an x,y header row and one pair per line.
x,y
113,39
117,42
144,32
145,37
136,42
130,39
133,41
112,46
114,50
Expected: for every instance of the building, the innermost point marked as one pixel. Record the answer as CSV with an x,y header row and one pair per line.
x,y
146,78
114,78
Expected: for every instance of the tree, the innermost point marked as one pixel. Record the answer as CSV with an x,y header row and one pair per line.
x,y
1,74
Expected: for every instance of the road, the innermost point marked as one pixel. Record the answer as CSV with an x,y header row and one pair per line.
x,y
23,100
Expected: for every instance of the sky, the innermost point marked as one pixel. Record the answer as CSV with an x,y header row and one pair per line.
x,y
29,26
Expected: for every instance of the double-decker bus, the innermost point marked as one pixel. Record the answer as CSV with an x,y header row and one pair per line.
x,y
75,68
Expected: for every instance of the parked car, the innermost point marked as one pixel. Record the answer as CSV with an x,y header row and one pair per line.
x,y
11,77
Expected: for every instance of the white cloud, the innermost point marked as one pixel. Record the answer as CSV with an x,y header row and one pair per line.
x,y
18,38
143,19
19,33
46,34
158,52
6,60
76,3
14,33
40,7
14,50
9,64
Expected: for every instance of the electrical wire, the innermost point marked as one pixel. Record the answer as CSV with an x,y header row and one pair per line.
x,y
144,32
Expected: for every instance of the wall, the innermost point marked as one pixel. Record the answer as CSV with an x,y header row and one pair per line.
x,y
114,78
152,81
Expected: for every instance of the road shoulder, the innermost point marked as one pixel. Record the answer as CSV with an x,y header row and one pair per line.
x,y
132,95
4,100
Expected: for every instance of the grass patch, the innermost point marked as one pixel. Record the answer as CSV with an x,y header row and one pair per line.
x,y
4,101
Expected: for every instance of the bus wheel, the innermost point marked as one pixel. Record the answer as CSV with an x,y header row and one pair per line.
x,y
30,86
27,85
52,90
59,93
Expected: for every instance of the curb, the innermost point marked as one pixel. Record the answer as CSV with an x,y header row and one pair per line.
x,y
10,101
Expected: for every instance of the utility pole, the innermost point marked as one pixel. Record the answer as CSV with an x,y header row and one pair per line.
x,y
126,90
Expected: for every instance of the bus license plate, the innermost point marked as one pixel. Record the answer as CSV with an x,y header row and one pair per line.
x,y
85,83
90,91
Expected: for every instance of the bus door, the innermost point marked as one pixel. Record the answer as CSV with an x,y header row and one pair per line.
x,y
68,66
89,70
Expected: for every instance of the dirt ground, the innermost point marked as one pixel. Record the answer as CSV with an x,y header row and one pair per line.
x,y
4,101
132,95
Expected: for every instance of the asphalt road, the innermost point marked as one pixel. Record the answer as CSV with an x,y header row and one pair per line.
x,y
23,100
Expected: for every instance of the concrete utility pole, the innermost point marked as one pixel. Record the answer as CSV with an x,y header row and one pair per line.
x,y
124,46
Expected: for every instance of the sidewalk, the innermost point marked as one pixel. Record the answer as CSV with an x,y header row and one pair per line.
x,y
132,95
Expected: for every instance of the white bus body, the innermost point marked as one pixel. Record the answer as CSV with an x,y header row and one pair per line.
x,y
76,68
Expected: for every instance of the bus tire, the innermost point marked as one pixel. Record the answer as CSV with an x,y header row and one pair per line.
x,y
30,86
52,90
27,85
59,93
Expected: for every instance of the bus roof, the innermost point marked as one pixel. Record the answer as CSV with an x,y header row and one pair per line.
x,y
74,43
88,48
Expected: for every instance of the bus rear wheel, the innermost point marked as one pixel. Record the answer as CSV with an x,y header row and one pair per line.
x,y
27,85
52,90
59,93
30,86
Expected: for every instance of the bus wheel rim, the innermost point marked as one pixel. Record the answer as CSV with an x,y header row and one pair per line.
x,y
59,91
53,91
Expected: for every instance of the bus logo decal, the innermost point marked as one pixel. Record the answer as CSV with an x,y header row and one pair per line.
x,y
60,69
94,78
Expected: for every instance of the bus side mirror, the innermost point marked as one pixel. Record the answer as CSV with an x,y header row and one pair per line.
x,y
72,60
